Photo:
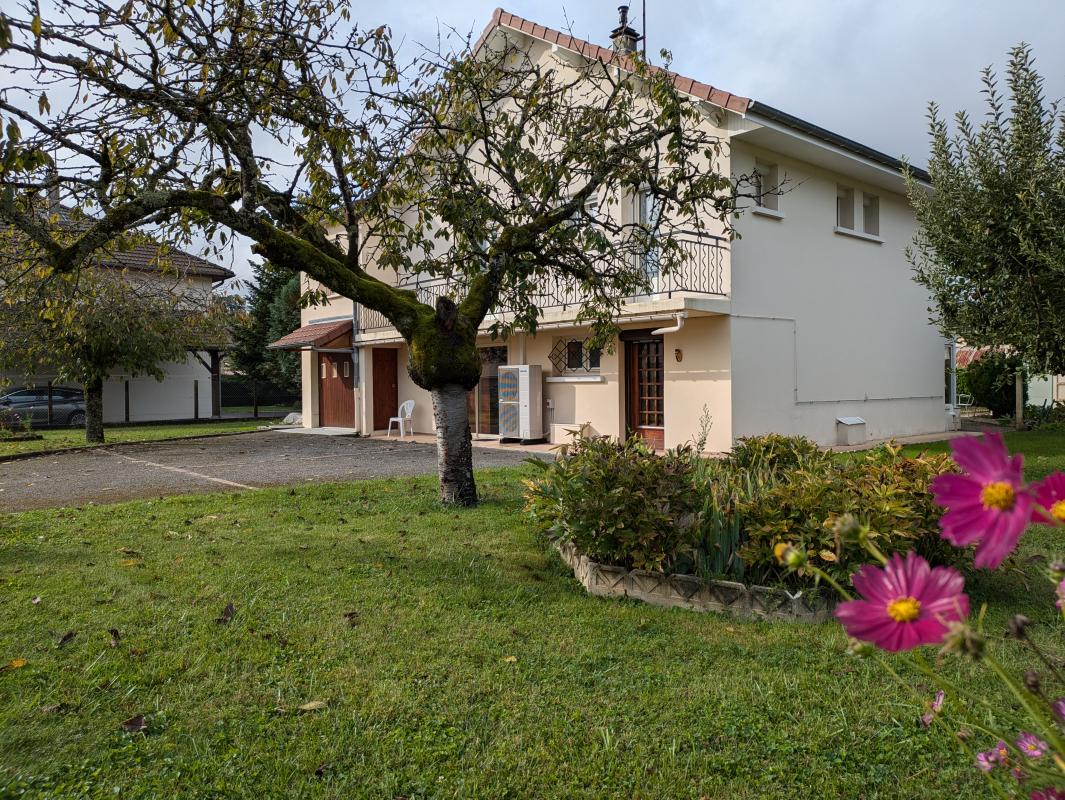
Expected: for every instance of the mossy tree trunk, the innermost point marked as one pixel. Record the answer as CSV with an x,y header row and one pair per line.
x,y
445,361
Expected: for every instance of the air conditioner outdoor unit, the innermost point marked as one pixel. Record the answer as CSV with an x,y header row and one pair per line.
x,y
521,412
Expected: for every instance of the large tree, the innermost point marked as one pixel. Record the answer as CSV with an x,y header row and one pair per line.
x,y
286,122
990,245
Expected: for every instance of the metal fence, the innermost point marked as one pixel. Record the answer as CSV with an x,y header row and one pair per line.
x,y
702,272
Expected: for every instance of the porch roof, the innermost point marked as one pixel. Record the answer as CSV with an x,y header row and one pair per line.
x,y
314,334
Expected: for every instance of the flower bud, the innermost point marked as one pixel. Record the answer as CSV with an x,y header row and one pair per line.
x,y
856,647
963,640
790,556
847,527
1031,681
1018,626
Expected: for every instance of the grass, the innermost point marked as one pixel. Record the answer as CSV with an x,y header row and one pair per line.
x,y
66,438
453,654
1044,450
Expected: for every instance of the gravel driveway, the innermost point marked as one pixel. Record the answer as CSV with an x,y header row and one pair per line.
x,y
245,461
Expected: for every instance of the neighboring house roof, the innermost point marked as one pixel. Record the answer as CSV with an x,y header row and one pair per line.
x,y
153,257
313,334
718,97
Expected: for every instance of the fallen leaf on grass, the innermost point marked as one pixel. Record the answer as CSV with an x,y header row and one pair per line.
x,y
15,663
36,601
314,705
55,708
115,636
322,769
227,614
135,724
352,617
511,659
129,551
128,562
65,638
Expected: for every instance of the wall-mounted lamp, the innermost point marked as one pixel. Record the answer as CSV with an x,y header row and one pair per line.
x,y
678,354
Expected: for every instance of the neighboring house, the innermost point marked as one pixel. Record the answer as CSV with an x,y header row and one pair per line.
x,y
191,388
1042,389
810,316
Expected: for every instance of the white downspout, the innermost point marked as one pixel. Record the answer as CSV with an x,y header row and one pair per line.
x,y
681,316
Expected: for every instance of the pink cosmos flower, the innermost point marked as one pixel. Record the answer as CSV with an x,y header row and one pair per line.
x,y
1050,495
937,706
988,505
905,604
986,760
1031,745
1047,793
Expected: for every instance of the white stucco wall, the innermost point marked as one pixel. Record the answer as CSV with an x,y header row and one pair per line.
x,y
173,398
827,325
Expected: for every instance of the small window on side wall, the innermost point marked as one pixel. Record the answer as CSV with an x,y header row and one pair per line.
x,y
766,183
870,214
571,355
845,207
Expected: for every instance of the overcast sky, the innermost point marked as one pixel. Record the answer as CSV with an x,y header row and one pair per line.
x,y
865,69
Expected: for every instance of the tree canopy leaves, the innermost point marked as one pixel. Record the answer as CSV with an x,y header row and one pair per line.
x,y
991,241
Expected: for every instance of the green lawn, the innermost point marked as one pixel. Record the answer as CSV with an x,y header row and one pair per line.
x,y
65,438
471,664
1044,451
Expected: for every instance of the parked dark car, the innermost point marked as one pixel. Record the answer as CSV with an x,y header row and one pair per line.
x,y
68,405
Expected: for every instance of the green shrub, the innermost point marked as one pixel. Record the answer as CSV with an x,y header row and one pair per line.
x,y
618,501
991,380
774,451
1045,417
880,488
622,504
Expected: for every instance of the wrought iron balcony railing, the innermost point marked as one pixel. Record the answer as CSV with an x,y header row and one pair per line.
x,y
701,273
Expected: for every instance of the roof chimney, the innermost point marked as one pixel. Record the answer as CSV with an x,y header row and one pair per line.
x,y
624,36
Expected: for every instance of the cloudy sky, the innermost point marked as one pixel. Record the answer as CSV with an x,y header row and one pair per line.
x,y
862,68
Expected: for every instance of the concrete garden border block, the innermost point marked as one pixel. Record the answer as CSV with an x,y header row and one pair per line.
x,y
692,592
605,580
728,596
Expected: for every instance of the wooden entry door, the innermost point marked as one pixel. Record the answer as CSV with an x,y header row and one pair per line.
x,y
645,390
336,390
385,387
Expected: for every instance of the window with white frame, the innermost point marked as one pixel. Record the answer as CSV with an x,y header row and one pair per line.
x,y
870,214
574,355
766,182
844,207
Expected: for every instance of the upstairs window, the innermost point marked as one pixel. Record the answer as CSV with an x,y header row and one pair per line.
x,y
765,182
845,207
870,214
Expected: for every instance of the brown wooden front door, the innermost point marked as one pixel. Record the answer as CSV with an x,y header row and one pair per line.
x,y
645,390
336,390
385,387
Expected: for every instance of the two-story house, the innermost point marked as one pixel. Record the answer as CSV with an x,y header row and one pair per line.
x,y
809,317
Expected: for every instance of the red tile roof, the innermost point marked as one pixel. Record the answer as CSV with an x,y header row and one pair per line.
x,y
315,334
703,91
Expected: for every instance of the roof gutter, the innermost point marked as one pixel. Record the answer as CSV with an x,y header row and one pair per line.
x,y
823,134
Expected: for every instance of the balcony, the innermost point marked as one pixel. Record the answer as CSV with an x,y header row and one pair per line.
x,y
703,274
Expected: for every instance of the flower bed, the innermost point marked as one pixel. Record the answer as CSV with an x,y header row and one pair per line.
x,y
694,593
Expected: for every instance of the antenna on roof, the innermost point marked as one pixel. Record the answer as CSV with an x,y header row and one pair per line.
x,y
643,21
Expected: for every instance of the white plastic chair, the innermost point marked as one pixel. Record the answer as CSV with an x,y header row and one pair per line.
x,y
965,403
406,411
